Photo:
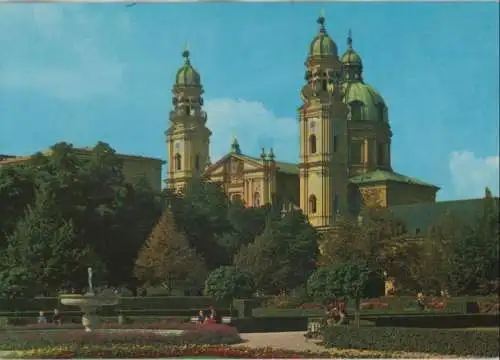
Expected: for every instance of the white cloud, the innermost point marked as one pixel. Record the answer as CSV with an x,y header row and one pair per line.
x,y
254,125
59,51
471,174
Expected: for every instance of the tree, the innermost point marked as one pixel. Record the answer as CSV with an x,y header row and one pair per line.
x,y
42,255
16,191
258,259
137,212
344,280
322,285
474,255
435,263
167,258
245,224
286,253
202,215
229,282
376,237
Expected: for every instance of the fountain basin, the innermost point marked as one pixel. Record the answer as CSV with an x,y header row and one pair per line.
x,y
88,300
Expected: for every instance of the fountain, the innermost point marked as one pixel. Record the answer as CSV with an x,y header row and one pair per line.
x,y
89,303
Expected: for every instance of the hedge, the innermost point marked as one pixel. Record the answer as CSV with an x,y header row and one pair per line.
x,y
442,341
441,321
126,303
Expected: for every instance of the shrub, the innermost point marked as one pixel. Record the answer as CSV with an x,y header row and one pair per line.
x,y
437,321
229,282
437,341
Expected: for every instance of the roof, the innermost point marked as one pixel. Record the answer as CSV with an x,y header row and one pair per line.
x,y
17,159
380,175
421,216
281,166
373,105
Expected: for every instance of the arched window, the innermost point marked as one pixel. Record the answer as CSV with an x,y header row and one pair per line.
x,y
256,199
178,160
197,162
312,143
356,110
324,85
187,109
380,154
312,204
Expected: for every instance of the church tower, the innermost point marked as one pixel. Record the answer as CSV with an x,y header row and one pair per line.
x,y
369,132
188,137
323,134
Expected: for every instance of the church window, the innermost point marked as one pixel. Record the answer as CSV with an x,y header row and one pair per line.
x,y
178,159
312,204
256,199
380,154
336,203
197,162
187,109
324,85
356,152
312,144
356,110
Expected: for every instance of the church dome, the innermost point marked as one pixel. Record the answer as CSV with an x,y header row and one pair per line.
x,y
322,44
351,58
365,103
351,63
187,75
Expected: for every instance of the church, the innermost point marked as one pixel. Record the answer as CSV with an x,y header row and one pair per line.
x,y
345,144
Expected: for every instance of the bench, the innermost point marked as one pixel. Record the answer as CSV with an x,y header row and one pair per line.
x,y
224,319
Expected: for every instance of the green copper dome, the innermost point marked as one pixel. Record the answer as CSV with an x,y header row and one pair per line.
x,y
322,44
351,57
364,102
187,75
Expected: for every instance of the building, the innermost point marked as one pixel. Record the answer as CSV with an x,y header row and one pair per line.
x,y
135,168
345,144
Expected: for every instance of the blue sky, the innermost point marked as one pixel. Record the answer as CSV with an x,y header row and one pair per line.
x,y
84,73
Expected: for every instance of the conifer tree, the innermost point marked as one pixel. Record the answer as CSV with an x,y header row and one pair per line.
x,y
41,256
167,259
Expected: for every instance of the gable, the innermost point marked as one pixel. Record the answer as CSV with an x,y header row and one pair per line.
x,y
232,163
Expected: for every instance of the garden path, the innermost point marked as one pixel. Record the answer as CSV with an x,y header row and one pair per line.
x,y
280,340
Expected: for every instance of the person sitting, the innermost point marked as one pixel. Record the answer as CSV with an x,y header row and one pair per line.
x,y
421,301
212,314
41,319
201,318
56,318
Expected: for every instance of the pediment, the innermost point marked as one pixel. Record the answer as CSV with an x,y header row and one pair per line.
x,y
233,164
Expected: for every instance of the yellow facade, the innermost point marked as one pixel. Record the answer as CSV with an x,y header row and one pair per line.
x,y
135,168
345,144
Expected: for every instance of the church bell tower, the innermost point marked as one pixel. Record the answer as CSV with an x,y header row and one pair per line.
x,y
188,137
323,148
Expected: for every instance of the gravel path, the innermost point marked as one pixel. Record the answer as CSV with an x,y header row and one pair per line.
x,y
280,340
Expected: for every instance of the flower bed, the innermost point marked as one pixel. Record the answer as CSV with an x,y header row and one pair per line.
x,y
153,351
209,334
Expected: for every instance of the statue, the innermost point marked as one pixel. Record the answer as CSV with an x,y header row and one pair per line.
x,y
91,289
